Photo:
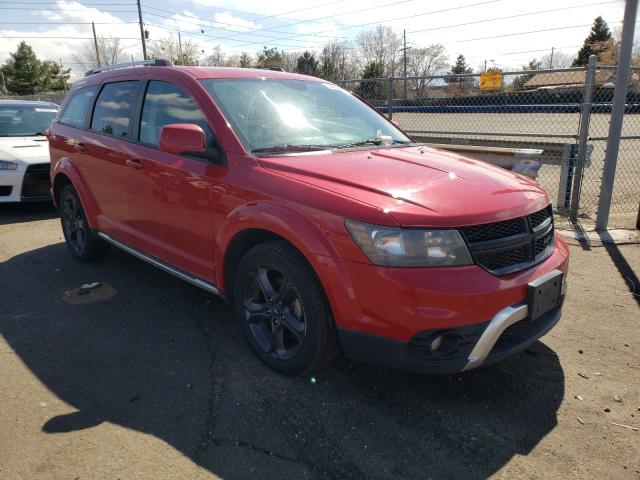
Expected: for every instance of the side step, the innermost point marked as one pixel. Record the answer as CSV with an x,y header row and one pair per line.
x,y
198,282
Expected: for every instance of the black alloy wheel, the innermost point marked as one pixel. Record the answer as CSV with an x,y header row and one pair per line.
x,y
83,243
74,224
274,312
283,310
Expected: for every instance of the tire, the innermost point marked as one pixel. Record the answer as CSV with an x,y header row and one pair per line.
x,y
294,333
83,243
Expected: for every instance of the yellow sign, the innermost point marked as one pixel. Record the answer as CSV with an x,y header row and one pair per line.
x,y
491,81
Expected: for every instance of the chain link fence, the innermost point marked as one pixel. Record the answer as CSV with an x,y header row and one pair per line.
x,y
549,124
55,97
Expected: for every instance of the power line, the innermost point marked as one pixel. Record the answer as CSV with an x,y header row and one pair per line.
x,y
199,34
513,16
261,17
38,37
460,7
519,33
288,35
67,9
49,3
401,18
473,59
214,24
65,23
315,20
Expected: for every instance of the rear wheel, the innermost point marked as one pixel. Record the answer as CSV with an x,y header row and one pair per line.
x,y
283,311
82,241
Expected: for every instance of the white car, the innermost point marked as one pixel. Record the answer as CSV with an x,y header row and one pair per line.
x,y
24,150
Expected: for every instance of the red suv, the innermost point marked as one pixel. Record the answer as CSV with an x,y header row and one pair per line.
x,y
323,223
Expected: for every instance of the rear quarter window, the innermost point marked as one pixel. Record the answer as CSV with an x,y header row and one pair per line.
x,y
114,108
77,109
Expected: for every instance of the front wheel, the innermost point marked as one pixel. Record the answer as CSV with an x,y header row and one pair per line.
x,y
82,241
284,314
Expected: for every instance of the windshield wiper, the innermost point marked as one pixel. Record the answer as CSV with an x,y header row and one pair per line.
x,y
370,141
289,148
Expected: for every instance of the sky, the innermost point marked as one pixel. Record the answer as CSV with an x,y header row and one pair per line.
x,y
505,33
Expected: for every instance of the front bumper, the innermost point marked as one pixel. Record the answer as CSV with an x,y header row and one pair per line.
x,y
511,330
29,183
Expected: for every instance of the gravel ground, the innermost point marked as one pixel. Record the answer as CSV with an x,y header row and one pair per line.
x,y
149,377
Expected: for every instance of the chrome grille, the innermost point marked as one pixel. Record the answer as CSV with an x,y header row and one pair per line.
x,y
512,245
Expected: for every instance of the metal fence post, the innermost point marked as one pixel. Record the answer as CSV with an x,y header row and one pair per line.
x,y
390,100
617,114
583,135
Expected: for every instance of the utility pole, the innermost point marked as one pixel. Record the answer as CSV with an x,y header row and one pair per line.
x,y
95,43
404,51
64,84
144,44
617,114
180,48
551,58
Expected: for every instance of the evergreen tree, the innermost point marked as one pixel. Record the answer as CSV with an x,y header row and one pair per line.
x,y
519,81
270,58
372,90
596,42
460,67
307,64
55,77
23,71
25,74
245,60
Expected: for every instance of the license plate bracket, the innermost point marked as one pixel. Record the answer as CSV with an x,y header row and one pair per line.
x,y
544,294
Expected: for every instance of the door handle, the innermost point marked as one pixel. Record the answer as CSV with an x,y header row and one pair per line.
x,y
134,163
78,147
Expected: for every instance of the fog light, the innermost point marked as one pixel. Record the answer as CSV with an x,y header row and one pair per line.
x,y
435,344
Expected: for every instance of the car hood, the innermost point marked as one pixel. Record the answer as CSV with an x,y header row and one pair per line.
x,y
27,149
418,186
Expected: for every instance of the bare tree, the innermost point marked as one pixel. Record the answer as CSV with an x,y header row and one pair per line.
x,y
232,60
109,49
290,60
557,60
217,57
422,62
336,63
379,45
169,48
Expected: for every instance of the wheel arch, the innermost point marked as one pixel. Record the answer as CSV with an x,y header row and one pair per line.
x,y
261,222
66,173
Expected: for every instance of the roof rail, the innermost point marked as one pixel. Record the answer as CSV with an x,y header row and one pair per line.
x,y
158,62
275,69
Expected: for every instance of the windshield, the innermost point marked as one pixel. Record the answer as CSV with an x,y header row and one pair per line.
x,y
297,115
25,121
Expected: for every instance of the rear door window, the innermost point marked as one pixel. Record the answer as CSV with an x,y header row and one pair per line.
x,y
76,111
166,103
114,108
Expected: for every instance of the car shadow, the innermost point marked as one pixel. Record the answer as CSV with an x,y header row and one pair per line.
x,y
26,212
164,358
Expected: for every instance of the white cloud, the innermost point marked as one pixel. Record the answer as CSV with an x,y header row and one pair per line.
x,y
231,22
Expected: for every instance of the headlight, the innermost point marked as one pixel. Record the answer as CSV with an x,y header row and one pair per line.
x,y
398,247
4,165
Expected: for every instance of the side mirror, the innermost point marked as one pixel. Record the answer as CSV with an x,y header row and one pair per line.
x,y
180,138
